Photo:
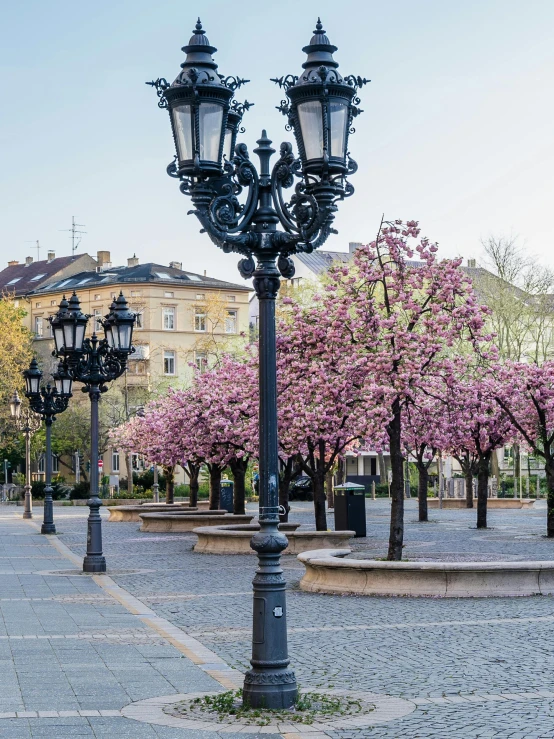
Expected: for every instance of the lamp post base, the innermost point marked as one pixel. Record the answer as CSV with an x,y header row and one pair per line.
x,y
94,563
48,528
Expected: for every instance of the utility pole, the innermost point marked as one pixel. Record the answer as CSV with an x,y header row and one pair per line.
x,y
75,234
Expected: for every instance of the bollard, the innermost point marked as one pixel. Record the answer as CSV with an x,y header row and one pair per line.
x,y
373,490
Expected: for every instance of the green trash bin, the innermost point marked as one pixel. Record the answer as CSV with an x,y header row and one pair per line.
x,y
350,508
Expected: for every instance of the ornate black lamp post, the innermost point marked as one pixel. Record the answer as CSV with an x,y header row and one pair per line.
x,y
48,402
320,108
94,362
27,422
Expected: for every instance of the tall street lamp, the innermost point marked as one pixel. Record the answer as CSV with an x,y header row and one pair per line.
x,y
27,422
214,171
48,402
94,362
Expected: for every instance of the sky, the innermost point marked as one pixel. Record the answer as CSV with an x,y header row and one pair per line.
x,y
456,130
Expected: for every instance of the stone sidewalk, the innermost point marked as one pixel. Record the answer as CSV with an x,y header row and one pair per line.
x,y
83,654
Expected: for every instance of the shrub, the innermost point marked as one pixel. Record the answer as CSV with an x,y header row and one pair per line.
x,y
59,491
81,491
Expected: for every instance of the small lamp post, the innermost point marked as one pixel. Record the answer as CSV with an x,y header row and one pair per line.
x,y
25,421
48,402
95,363
204,121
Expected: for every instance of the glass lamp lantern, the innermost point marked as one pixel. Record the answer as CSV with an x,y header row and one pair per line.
x,y
118,325
63,381
15,406
69,326
32,376
198,103
321,109
57,325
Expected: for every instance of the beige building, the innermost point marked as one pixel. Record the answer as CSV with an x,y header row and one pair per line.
x,y
183,319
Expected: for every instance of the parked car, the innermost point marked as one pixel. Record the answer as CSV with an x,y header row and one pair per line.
x,y
301,488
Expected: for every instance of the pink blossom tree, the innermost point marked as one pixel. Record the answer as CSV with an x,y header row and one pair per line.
x,y
323,390
405,316
526,394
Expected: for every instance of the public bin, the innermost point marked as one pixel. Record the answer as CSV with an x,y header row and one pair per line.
x,y
350,508
226,495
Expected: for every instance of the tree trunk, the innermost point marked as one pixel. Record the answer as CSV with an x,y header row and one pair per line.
x,y
238,469
215,485
169,473
285,478
329,489
482,489
341,471
129,460
396,536
549,469
423,487
318,482
193,471
468,475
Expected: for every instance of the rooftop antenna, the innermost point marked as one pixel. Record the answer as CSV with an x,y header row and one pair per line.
x,y
75,234
36,246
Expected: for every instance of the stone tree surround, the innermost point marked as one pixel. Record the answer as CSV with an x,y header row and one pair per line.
x,y
328,572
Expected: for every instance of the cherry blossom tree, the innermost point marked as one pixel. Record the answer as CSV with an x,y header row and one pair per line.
x,y
525,393
324,395
405,316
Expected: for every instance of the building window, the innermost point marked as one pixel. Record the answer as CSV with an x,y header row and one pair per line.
x,y
199,321
41,467
97,320
38,327
55,465
169,363
231,322
200,296
138,320
51,333
137,367
136,293
113,295
169,319
231,298
97,296
37,305
52,302
115,460
201,361
169,295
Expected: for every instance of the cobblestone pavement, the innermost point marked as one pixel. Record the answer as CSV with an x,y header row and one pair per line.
x,y
471,667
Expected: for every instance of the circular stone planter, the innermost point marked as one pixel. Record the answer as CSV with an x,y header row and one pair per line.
x,y
163,522
492,503
235,539
328,572
130,513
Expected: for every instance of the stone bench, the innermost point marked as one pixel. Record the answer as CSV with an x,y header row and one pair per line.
x,y
130,513
492,503
328,572
235,539
163,522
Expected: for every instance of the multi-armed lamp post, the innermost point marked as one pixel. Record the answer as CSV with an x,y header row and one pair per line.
x,y
214,171
47,402
94,362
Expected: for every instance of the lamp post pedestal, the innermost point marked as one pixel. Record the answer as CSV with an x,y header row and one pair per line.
x,y
94,560
48,526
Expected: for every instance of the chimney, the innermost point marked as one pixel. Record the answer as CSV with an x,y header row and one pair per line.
x,y
353,245
176,265
204,273
471,263
132,261
28,260
102,257
13,263
51,256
